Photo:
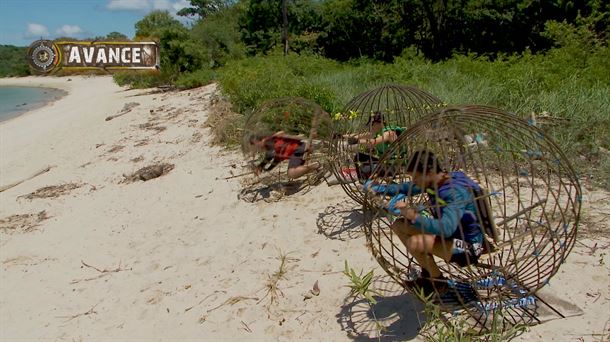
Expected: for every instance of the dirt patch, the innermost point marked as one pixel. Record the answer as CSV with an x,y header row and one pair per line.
x,y
152,127
149,172
196,137
22,223
115,148
137,159
141,143
173,114
52,191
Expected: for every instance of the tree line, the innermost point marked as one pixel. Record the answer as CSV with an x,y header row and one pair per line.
x,y
343,30
222,30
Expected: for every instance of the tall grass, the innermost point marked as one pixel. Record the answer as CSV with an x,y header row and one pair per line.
x,y
564,82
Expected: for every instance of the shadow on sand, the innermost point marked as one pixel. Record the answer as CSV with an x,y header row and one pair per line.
x,y
397,315
341,221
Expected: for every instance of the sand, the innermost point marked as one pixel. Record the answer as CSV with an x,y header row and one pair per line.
x,y
89,253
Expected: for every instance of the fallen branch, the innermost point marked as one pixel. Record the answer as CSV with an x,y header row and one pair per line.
x,y
246,327
239,175
232,301
126,109
203,300
90,312
103,272
36,174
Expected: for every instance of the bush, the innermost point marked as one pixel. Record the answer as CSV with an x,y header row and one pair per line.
x,y
195,79
13,61
251,81
141,79
218,38
571,86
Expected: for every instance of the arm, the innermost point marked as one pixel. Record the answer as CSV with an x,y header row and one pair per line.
x,y
269,155
362,135
388,136
398,192
354,139
283,134
450,217
406,188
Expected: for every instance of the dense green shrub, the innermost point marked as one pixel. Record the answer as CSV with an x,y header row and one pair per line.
x,y
195,79
13,61
569,85
140,79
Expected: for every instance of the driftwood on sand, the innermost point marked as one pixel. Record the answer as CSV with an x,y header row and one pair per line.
x,y
149,172
126,109
36,174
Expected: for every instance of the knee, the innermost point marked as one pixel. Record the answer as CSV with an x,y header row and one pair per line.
x,y
292,173
415,244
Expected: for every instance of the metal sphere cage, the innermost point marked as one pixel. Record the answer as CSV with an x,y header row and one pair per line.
x,y
294,116
528,207
400,106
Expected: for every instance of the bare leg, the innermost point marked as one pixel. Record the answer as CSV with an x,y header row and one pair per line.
x,y
296,172
422,246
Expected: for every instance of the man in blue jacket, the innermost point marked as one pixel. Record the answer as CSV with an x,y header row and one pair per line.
x,y
448,229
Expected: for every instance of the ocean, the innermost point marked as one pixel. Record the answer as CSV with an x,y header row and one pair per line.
x,y
18,100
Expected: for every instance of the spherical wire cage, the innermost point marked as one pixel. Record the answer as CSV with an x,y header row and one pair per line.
x,y
399,106
527,207
293,119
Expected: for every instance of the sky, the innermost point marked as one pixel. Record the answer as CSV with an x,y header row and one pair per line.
x,y
24,21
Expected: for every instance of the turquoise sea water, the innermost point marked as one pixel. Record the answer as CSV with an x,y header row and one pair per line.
x,y
18,100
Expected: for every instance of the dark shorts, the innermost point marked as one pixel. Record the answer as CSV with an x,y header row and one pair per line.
x,y
297,159
465,253
366,164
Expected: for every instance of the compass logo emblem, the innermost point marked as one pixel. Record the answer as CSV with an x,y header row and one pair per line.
x,y
43,56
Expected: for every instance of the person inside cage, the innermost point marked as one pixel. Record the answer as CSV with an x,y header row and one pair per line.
x,y
376,141
279,147
448,229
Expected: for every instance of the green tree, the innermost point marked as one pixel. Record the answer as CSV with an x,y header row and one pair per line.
x,y
376,29
205,8
493,27
13,61
439,28
179,54
116,36
154,23
261,23
218,36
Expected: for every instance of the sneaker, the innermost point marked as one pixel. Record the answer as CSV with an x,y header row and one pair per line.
x,y
430,285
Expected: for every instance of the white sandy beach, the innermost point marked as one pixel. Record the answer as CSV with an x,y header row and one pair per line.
x,y
180,257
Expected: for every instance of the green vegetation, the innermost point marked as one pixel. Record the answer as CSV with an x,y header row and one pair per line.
x,y
12,61
438,325
569,81
359,285
441,328
519,55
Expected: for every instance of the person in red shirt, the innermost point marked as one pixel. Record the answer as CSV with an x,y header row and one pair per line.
x,y
279,147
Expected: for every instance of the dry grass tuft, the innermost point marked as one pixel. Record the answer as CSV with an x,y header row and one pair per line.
x,y
52,191
23,223
225,124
